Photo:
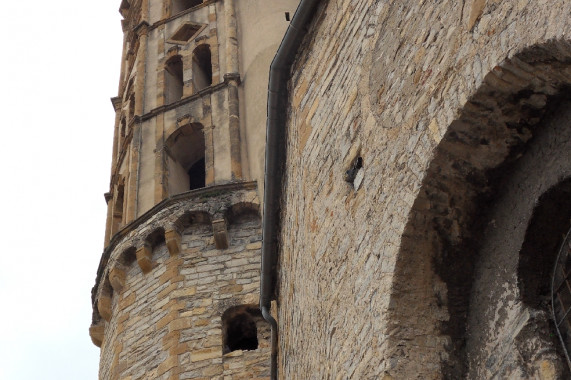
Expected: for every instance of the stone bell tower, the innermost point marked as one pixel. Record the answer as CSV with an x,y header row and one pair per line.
x,y
178,282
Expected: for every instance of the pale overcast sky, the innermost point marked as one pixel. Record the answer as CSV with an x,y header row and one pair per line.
x,y
60,64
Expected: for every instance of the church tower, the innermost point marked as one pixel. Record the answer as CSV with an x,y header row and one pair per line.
x,y
177,286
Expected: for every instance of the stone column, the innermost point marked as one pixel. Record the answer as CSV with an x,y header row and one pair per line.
x,y
142,30
233,79
209,155
108,225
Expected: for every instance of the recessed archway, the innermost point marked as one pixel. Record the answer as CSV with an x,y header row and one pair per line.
x,y
186,159
432,295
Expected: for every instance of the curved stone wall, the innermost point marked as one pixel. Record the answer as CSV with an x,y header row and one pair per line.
x,y
168,279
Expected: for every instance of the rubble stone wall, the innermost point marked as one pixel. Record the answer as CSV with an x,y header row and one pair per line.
x,y
433,97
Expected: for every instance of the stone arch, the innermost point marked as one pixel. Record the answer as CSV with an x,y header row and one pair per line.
x,y
244,225
127,257
435,266
155,238
241,209
201,67
190,218
186,156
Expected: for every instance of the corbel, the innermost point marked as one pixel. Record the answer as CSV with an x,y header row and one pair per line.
x,y
144,258
117,277
173,241
104,306
97,332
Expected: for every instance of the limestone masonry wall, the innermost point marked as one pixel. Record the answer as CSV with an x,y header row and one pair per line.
x,y
438,99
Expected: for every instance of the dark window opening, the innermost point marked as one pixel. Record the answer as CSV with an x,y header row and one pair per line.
x,y
186,154
182,5
197,175
201,67
174,82
240,332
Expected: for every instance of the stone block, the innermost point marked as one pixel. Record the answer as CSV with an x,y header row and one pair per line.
x,y
168,364
144,258
173,241
255,245
117,278
167,291
104,306
166,320
180,324
97,332
213,370
185,292
205,354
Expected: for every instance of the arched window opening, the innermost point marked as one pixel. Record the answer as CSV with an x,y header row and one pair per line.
x,y
201,67
241,326
186,159
128,257
156,238
174,82
183,5
118,208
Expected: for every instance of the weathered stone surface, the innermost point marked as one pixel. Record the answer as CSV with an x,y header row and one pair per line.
x,y
442,98
173,238
97,333
220,233
117,278
145,258
170,318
